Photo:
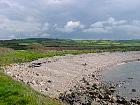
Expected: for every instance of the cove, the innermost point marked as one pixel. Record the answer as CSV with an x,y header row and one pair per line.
x,y
126,77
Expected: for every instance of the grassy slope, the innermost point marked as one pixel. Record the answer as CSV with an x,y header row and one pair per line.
x,y
13,92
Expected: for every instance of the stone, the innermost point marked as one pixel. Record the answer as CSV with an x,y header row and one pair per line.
x,y
84,64
35,65
93,75
37,74
133,90
46,89
133,101
113,99
49,81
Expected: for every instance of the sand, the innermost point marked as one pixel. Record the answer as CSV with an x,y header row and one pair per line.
x,y
52,76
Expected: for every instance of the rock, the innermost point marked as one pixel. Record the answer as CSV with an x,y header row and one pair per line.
x,y
37,74
133,90
101,96
95,86
84,80
49,81
95,103
104,103
113,99
93,75
107,96
112,89
84,64
46,89
98,100
35,65
133,101
130,78
121,100
49,61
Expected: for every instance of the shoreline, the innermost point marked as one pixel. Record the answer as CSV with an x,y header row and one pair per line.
x,y
52,76
94,90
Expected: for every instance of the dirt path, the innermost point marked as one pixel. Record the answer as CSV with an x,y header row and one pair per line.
x,y
52,76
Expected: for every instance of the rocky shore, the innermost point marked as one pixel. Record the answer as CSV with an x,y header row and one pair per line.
x,y
95,93
52,76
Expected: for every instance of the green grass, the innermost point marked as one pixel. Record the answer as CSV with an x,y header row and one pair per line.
x,y
64,52
19,56
15,93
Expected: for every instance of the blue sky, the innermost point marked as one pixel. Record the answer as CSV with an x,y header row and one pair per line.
x,y
70,19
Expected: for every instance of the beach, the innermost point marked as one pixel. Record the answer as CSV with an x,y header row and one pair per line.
x,y
52,76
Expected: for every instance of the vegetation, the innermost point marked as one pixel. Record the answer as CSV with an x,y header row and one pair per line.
x,y
59,44
25,50
15,93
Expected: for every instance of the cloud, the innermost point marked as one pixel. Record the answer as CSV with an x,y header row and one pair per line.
x,y
95,30
10,4
13,28
71,26
22,18
56,2
18,26
113,26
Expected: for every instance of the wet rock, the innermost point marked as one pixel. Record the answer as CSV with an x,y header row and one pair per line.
x,y
112,89
86,101
133,101
133,90
121,100
113,99
130,78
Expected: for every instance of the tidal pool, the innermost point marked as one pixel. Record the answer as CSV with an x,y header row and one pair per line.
x,y
127,79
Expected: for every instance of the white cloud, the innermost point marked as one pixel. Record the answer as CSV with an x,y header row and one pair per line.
x,y
71,26
95,30
104,26
56,2
113,26
97,24
31,28
113,22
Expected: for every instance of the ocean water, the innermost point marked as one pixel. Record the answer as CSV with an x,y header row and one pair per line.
x,y
127,79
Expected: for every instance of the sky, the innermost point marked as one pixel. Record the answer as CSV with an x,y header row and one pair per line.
x,y
70,19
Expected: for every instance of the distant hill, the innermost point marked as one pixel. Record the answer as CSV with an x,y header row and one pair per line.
x,y
23,44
